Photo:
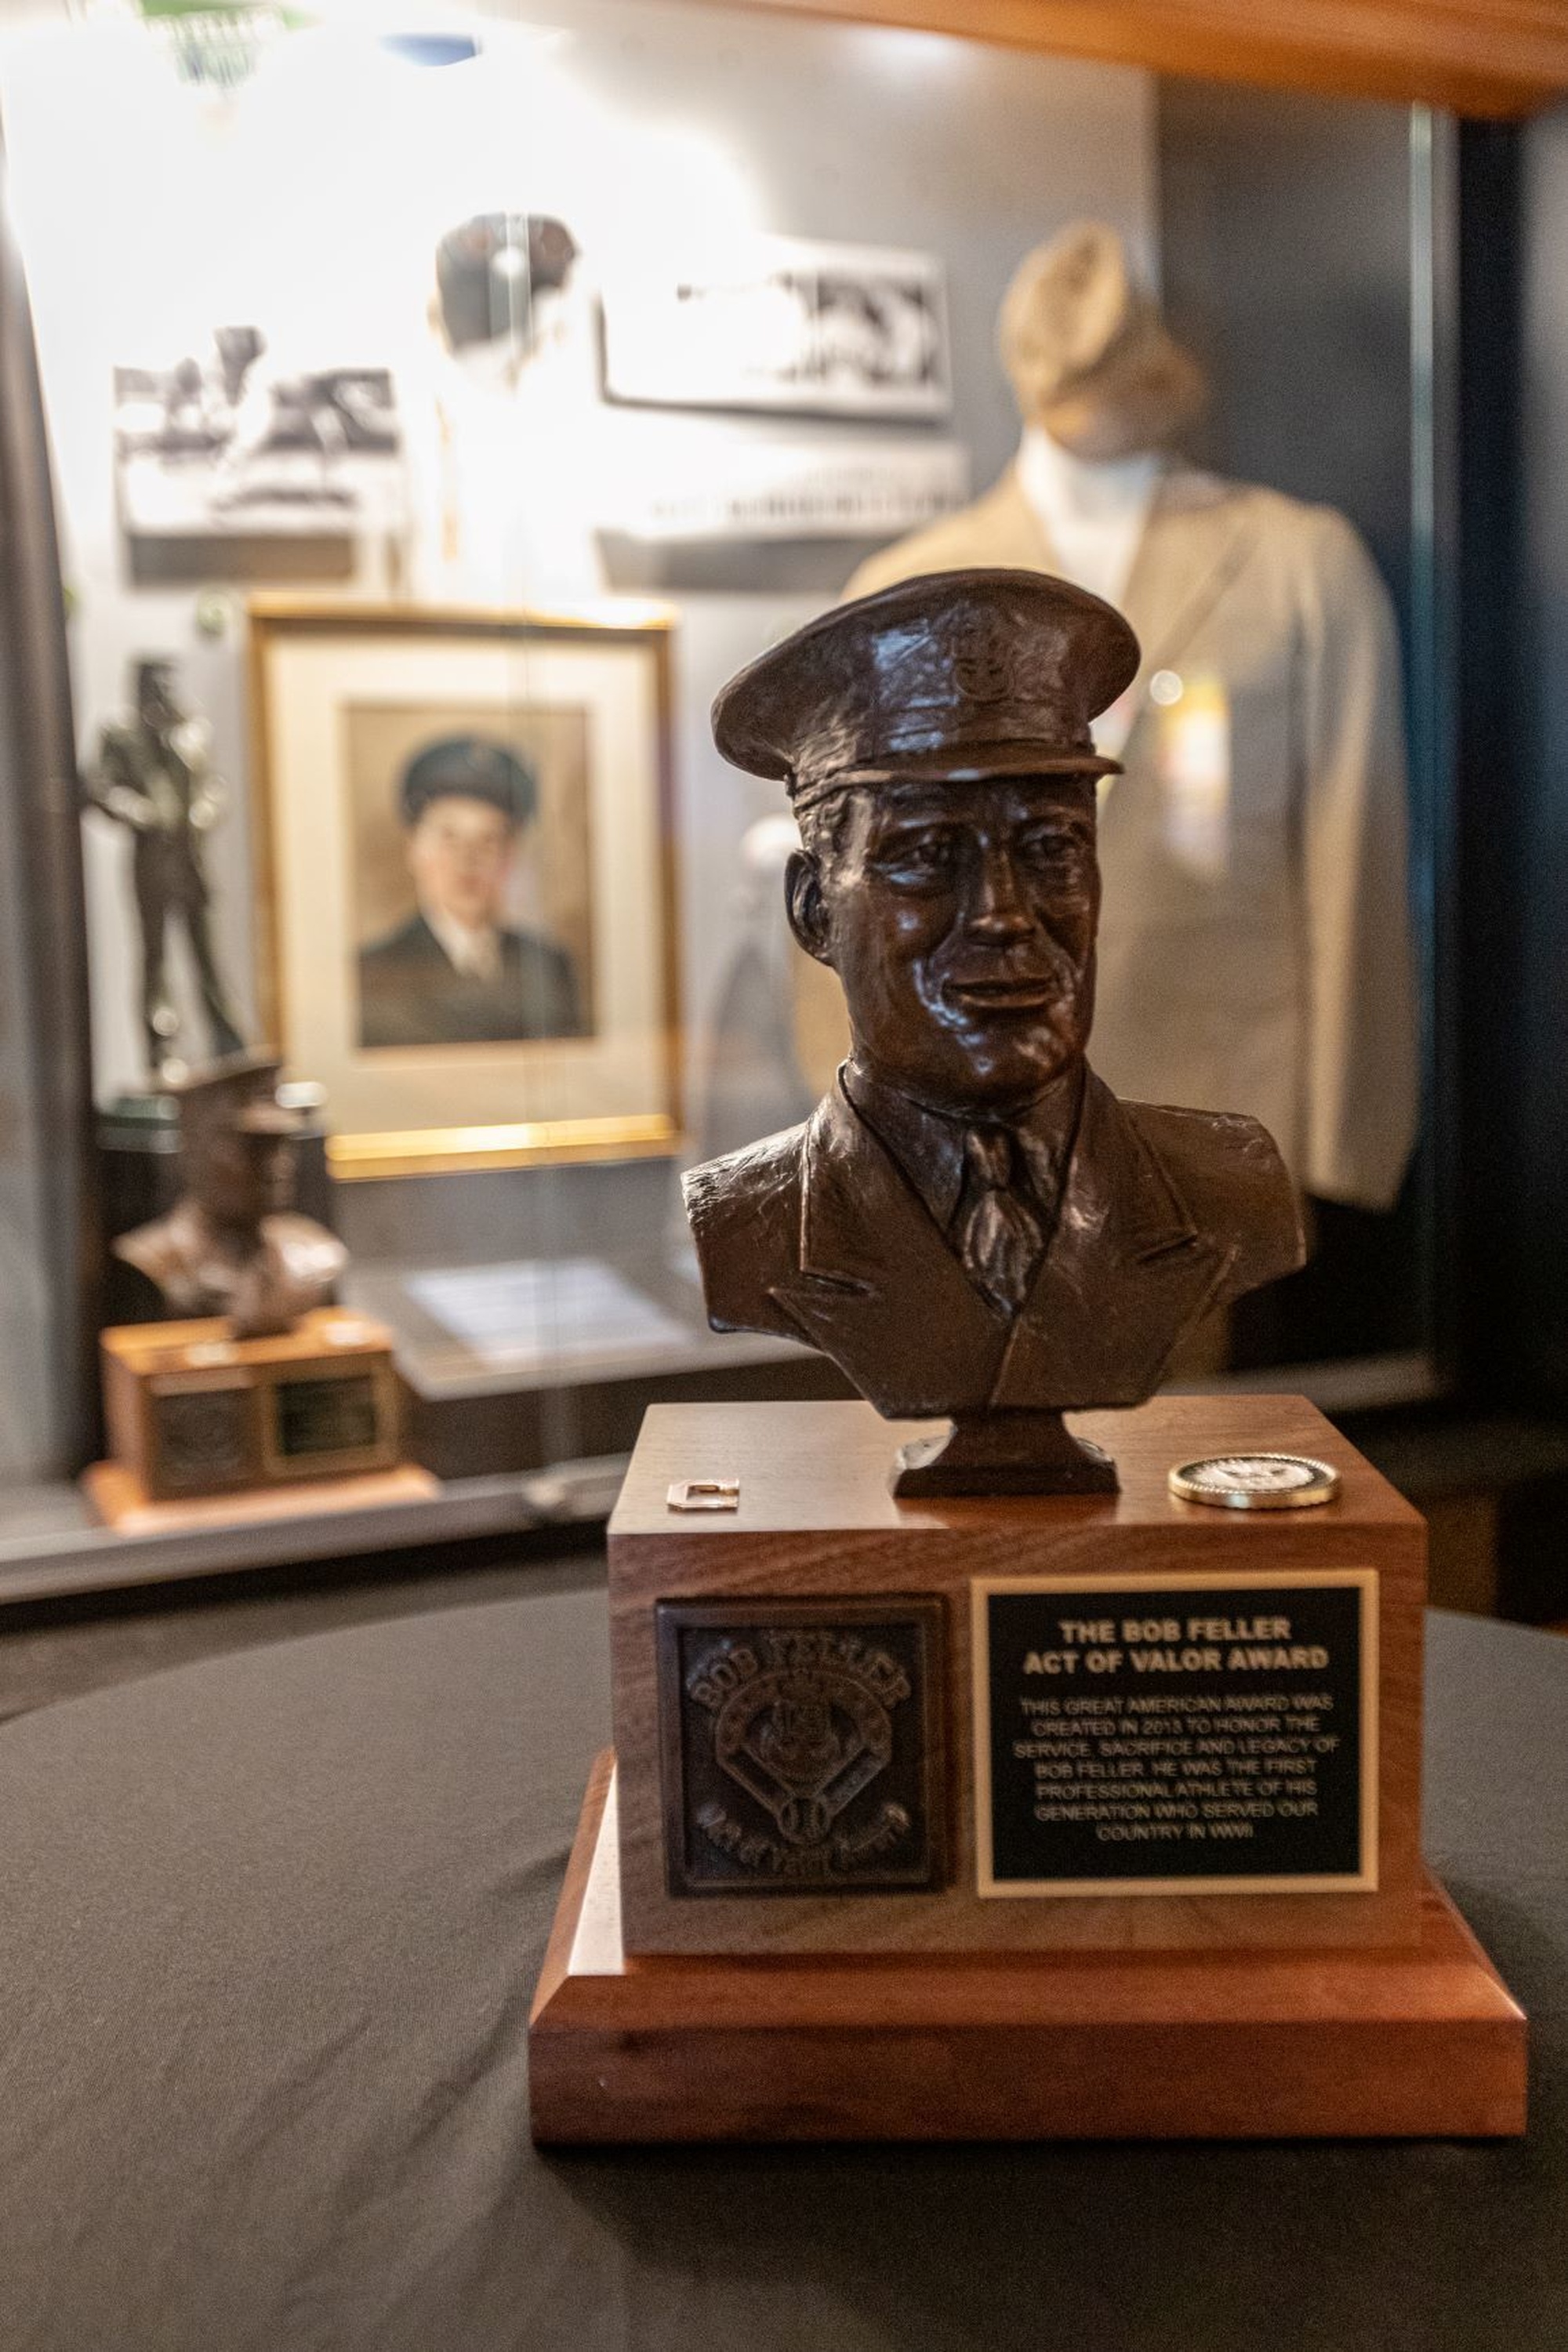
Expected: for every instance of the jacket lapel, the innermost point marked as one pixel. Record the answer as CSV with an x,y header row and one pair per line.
x,y
1199,534
879,1290
1126,1274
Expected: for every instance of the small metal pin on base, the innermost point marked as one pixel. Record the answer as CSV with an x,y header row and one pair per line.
x,y
1256,1482
704,1495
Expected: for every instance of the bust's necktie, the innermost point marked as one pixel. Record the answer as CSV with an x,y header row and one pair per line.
x,y
1000,1237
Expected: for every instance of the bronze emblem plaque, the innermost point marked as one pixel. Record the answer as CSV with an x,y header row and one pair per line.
x,y
203,1436
802,1746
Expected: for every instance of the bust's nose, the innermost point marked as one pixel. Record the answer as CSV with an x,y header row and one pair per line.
x,y
998,912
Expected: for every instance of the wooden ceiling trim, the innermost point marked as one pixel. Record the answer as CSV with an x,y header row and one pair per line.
x,y
1497,58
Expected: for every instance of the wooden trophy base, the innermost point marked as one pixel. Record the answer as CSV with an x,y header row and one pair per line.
x,y
814,1529
122,1502
1420,2043
197,1414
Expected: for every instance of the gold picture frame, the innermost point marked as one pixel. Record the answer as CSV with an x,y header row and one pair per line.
x,y
344,697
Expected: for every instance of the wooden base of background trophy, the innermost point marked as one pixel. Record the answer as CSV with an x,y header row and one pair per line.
x,y
120,1501
875,1863
196,1417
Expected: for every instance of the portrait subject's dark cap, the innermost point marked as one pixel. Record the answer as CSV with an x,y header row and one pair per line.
x,y
471,767
951,677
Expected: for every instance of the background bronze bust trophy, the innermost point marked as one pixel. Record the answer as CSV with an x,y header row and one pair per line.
x,y
971,1224
234,1245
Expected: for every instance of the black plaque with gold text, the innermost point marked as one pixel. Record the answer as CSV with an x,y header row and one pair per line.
x,y
801,1746
336,1415
1176,1736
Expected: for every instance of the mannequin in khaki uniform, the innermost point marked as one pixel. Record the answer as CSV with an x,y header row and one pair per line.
x,y
1255,952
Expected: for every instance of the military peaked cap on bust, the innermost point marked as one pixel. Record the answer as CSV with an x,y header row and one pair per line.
x,y
238,1095
953,678
473,767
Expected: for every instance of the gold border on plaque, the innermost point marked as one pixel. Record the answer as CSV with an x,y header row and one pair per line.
x,y
1111,1889
347,1460
436,1150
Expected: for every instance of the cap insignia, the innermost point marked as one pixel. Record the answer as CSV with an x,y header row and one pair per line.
x,y
983,659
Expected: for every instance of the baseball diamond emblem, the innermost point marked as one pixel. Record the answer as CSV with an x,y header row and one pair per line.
x,y
804,1743
800,1744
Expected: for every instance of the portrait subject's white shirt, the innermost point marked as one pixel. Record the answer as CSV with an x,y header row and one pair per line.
x,y
475,953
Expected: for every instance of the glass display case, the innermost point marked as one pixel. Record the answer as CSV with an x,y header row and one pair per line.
x,y
439,415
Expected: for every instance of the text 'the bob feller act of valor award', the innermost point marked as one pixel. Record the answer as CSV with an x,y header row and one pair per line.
x,y
974,1775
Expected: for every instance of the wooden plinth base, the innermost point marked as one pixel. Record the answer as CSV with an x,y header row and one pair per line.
x,y
121,1502
1408,2044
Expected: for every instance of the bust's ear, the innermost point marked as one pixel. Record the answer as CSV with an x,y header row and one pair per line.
x,y
807,911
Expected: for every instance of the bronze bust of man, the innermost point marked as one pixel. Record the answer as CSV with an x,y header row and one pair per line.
x,y
970,1224
234,1243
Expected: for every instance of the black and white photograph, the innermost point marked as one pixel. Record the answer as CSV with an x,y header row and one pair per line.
x,y
230,439
790,326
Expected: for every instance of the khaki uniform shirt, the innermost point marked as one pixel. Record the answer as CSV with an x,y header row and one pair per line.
x,y
1254,950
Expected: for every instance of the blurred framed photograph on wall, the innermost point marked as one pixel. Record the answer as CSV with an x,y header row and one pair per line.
x,y
465,845
220,443
785,324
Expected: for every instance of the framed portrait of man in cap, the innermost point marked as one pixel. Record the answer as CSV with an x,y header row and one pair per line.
x,y
467,837
472,874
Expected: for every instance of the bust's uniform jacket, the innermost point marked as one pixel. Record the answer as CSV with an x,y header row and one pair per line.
x,y
296,1265
816,1235
1283,986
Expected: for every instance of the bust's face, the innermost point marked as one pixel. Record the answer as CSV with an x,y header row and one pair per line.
x,y
961,919
239,1178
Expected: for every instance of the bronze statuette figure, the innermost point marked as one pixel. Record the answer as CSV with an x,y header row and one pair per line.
x,y
234,1245
154,776
971,1224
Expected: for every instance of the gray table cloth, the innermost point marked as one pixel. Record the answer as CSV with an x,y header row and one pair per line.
x,y
269,1931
